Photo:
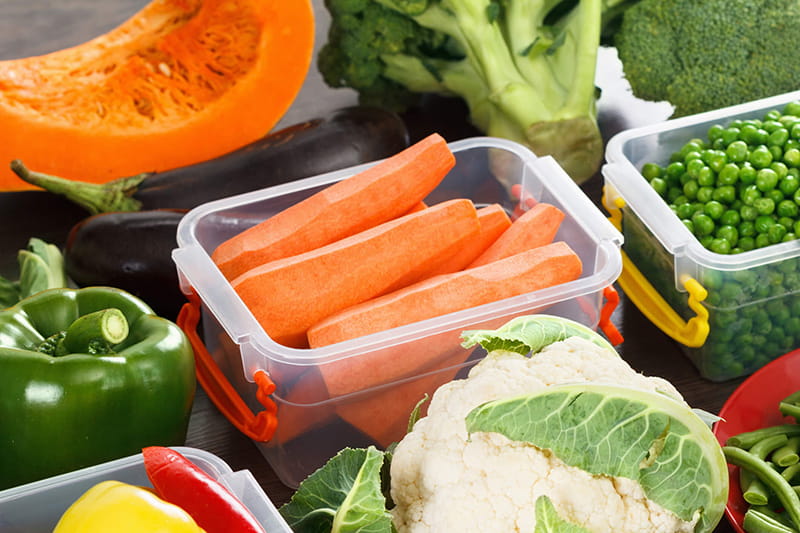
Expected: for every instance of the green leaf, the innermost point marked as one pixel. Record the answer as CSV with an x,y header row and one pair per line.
x,y
9,292
548,520
41,267
616,431
530,334
343,496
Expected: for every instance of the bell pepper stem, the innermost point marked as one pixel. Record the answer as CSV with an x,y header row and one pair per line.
x,y
94,333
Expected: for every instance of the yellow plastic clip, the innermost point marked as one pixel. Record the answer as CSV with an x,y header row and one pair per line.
x,y
693,332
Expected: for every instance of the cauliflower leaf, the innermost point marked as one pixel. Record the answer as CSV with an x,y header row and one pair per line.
x,y
529,334
622,432
345,496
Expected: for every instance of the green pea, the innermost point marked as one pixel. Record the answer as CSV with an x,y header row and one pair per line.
x,y
766,179
730,217
789,184
790,236
791,157
792,108
705,240
690,189
780,169
787,222
753,134
706,177
763,223
725,194
728,233
715,131
747,229
775,151
720,246
795,131
764,206
694,167
747,174
737,151
749,194
775,195
778,136
747,243
762,240
730,135
659,185
714,209
796,227
689,224
684,210
729,174
673,194
776,233
760,157
705,194
715,159
674,170
787,208
703,224
652,170
748,212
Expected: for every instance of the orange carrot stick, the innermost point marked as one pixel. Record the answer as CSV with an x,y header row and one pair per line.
x,y
494,221
289,295
534,269
535,227
385,191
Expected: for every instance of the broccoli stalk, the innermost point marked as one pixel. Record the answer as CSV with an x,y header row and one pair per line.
x,y
525,68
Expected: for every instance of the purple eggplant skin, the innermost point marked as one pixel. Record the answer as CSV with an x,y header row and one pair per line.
x,y
130,251
343,138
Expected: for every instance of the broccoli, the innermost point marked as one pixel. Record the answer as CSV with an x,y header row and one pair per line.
x,y
525,68
703,55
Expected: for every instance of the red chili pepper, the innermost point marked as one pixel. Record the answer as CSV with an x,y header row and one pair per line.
x,y
179,481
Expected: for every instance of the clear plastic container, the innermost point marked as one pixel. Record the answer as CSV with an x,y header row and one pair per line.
x,y
252,379
36,507
731,314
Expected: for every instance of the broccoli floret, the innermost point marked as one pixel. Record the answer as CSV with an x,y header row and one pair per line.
x,y
702,55
525,68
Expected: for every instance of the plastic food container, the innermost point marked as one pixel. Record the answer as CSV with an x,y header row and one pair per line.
x,y
256,382
36,507
731,314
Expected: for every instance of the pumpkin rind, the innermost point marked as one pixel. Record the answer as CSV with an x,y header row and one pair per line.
x,y
181,81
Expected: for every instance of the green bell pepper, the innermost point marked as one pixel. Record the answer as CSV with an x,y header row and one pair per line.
x,y
74,393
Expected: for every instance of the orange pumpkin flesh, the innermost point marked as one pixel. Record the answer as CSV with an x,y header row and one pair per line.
x,y
180,82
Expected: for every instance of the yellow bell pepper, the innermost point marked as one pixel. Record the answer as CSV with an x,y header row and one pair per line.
x,y
123,508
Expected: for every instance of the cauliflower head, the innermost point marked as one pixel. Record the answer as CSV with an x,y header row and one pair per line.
x,y
444,479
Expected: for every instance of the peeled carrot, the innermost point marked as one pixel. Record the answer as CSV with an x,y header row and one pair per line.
x,y
535,227
534,269
289,295
494,222
388,189
383,413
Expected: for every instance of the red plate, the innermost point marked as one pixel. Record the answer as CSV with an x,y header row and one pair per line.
x,y
753,405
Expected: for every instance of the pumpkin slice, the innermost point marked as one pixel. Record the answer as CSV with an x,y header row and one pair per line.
x,y
181,81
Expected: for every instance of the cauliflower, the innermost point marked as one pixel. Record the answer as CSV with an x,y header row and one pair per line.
x,y
444,479
551,432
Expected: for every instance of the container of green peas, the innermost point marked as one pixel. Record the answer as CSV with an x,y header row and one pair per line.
x,y
709,206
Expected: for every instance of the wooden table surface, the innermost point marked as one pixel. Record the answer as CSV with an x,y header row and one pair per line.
x,y
29,27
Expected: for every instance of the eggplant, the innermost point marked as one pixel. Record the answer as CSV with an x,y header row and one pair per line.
x,y
131,251
344,138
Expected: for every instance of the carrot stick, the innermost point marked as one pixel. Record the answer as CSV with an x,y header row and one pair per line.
x,y
385,191
494,221
535,227
289,295
534,269
383,413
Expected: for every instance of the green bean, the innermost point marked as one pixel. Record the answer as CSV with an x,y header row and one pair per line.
x,y
772,479
790,472
759,521
787,455
747,439
790,406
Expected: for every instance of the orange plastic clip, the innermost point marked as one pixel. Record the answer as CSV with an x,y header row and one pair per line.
x,y
261,426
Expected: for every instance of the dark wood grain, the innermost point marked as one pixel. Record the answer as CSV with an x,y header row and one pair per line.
x,y
29,27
